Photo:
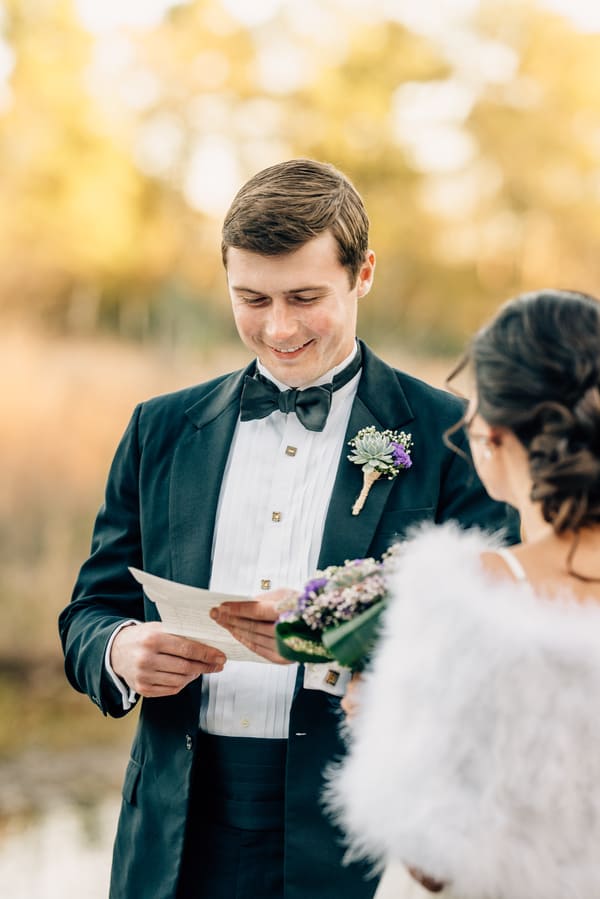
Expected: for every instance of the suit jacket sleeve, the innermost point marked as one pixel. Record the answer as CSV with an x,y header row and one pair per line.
x,y
105,594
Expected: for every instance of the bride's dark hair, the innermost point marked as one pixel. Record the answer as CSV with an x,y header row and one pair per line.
x,y
536,368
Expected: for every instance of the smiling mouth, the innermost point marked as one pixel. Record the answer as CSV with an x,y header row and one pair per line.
x,y
289,351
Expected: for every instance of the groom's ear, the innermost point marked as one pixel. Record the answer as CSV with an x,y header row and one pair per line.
x,y
366,274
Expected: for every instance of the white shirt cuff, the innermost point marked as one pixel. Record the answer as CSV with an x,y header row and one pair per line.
x,y
329,677
128,695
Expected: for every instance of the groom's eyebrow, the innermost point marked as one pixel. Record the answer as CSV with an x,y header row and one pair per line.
x,y
310,288
313,288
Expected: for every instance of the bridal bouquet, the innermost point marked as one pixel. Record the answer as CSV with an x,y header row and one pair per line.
x,y
336,615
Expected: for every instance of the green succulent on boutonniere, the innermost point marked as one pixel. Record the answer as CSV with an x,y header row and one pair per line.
x,y
380,454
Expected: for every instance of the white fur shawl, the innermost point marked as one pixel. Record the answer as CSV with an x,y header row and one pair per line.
x,y
476,752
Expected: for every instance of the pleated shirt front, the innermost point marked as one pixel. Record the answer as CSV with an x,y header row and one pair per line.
x,y
269,528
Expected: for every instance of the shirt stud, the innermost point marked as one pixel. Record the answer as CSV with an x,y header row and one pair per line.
x,y
291,450
265,583
275,516
332,677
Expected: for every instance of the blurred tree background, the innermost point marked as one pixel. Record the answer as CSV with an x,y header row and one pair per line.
x,y
475,140
471,127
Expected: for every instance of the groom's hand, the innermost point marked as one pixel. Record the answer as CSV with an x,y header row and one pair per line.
x,y
155,663
253,622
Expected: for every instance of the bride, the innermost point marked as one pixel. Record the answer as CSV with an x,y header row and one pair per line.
x,y
474,757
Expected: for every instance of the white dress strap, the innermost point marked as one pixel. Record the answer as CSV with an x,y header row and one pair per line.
x,y
513,563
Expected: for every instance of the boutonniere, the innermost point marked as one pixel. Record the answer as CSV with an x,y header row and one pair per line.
x,y
381,454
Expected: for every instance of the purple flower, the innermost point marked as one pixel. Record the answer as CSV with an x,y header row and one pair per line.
x,y
315,585
400,456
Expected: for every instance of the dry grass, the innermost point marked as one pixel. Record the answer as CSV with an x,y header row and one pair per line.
x,y
63,408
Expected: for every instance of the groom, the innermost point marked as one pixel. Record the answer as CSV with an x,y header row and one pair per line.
x,y
243,485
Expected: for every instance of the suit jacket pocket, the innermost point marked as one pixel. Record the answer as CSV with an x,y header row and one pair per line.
x,y
130,784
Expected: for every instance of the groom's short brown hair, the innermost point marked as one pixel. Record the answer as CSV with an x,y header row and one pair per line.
x,y
286,205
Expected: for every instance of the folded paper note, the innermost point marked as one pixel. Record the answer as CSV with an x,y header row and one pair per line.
x,y
185,611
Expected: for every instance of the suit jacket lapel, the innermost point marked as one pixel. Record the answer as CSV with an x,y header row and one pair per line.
x,y
380,401
196,477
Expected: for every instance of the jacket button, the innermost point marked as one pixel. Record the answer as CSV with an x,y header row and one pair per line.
x,y
188,741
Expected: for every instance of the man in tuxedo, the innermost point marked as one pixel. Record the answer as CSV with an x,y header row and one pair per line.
x,y
243,484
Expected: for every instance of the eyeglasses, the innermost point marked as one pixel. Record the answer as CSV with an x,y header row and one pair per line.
x,y
486,440
481,439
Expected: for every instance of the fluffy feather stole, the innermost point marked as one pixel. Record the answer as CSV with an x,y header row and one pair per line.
x,y
476,752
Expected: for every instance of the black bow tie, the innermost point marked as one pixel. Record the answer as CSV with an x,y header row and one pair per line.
x,y
260,397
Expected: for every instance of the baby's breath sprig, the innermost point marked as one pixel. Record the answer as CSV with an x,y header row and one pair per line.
x,y
380,454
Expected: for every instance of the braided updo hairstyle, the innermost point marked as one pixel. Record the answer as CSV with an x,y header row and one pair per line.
x,y
537,373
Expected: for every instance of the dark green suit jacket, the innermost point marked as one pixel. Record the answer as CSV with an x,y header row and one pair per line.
x,y
159,514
